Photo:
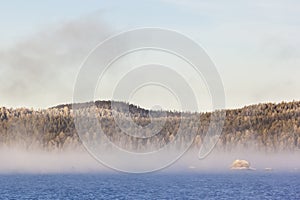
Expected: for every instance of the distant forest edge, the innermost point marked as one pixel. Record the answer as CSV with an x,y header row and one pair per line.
x,y
265,127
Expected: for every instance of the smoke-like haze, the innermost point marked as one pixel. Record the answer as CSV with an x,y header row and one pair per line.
x,y
41,70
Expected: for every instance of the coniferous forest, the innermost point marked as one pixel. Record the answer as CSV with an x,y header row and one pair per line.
x,y
265,127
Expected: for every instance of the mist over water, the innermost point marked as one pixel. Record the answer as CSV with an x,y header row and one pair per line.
x,y
222,161
38,161
17,160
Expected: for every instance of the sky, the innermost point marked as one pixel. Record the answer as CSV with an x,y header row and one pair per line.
x,y
255,45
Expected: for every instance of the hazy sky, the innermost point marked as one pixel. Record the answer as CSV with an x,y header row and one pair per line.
x,y
254,44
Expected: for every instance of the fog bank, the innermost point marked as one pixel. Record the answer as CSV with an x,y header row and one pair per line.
x,y
14,160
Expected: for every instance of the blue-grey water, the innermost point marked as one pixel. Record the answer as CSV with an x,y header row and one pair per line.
x,y
231,185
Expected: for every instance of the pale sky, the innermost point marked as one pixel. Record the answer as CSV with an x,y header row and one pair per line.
x,y
255,45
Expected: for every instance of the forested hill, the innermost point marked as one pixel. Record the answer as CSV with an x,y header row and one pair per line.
x,y
264,127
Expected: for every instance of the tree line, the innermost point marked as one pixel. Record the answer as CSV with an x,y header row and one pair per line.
x,y
264,127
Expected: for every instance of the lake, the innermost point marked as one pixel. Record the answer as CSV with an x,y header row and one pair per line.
x,y
159,185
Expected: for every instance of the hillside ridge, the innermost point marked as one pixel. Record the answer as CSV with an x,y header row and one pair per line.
x,y
267,127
